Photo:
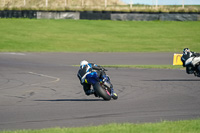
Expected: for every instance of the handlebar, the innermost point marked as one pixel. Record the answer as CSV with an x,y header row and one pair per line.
x,y
102,68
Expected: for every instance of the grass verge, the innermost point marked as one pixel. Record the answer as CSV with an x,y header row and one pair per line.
x,y
145,66
31,35
186,126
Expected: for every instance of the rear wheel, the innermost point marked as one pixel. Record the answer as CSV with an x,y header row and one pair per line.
x,y
102,92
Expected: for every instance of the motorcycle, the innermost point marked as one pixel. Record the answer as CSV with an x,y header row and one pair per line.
x,y
102,87
193,66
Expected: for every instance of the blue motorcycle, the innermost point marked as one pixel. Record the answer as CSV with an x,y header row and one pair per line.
x,y
102,87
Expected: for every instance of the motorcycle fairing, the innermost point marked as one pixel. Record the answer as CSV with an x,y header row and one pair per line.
x,y
189,61
195,61
192,60
92,78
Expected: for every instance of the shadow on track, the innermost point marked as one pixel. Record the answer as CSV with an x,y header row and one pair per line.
x,y
68,100
174,80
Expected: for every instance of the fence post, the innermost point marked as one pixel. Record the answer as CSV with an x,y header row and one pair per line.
x,y
65,3
46,3
156,4
105,3
183,4
131,3
24,2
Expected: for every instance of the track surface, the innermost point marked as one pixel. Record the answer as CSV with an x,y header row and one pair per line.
x,y
41,90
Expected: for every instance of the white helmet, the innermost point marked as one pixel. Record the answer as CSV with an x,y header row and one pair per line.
x,y
84,62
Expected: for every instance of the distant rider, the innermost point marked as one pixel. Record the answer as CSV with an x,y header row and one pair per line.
x,y
86,68
186,55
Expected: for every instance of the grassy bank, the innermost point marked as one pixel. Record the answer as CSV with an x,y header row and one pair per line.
x,y
187,126
26,35
145,66
92,5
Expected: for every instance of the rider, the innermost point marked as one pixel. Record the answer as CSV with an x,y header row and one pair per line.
x,y
186,55
86,68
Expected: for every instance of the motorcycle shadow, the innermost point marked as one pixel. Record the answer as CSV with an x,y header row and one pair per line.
x,y
68,100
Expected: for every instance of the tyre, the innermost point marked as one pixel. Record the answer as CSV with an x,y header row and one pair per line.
x,y
198,71
198,68
101,92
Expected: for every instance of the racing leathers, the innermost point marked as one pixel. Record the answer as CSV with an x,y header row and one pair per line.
x,y
82,73
187,55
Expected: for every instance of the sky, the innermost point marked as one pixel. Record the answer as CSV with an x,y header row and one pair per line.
x,y
164,2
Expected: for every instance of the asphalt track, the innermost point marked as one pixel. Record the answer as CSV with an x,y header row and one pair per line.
x,y
41,90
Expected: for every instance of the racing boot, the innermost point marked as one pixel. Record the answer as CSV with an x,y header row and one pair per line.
x,y
89,92
113,94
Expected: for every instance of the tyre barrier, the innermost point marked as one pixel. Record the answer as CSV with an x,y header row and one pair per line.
x,y
101,15
95,15
18,14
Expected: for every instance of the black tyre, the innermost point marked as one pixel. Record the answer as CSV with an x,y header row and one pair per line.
x,y
198,68
198,71
101,92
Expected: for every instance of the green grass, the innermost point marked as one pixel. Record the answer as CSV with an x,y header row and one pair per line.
x,y
145,66
25,35
31,35
186,126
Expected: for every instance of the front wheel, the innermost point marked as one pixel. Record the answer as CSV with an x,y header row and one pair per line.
x,y
102,92
198,71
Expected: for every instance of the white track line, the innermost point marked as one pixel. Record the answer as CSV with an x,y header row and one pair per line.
x,y
42,75
14,53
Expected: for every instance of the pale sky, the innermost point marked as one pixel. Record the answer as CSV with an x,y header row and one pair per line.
x,y
164,2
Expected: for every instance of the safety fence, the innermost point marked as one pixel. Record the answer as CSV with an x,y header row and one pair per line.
x,y
105,15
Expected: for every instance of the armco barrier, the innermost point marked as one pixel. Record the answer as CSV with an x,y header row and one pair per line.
x,y
101,15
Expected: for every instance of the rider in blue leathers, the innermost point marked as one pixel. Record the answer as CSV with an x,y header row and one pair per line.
x,y
86,68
